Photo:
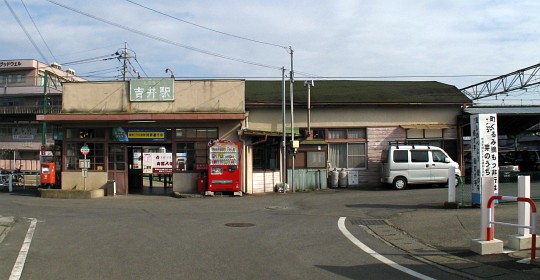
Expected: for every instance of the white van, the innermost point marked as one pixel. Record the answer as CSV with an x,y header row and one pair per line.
x,y
416,164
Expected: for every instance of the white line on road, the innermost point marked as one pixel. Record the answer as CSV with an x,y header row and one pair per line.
x,y
21,259
383,259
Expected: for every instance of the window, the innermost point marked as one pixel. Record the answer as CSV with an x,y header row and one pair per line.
x,y
197,132
347,155
401,156
84,133
347,133
438,156
188,154
266,155
318,134
316,159
96,155
419,156
337,134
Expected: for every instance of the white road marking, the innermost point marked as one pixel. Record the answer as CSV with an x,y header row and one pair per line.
x,y
16,272
383,259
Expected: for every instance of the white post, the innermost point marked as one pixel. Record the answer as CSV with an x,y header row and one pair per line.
x,y
487,192
524,208
452,184
10,182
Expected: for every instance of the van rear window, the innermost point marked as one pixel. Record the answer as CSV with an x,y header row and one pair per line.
x,y
401,156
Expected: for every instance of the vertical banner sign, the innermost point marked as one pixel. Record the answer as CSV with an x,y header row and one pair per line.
x,y
484,154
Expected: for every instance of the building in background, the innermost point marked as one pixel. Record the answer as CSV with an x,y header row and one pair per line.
x,y
26,93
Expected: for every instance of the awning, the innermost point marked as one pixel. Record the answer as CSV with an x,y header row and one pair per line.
x,y
426,126
140,117
252,132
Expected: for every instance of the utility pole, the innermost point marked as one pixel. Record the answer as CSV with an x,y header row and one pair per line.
x,y
293,148
284,133
125,61
44,126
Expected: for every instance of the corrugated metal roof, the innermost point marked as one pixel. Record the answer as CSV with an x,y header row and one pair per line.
x,y
510,110
355,92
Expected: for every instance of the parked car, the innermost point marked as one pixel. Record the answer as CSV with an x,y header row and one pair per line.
x,y
415,164
528,161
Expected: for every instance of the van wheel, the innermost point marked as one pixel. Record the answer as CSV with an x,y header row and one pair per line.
x,y
400,183
458,181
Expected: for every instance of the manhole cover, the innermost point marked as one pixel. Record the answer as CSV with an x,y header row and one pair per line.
x,y
367,222
240,225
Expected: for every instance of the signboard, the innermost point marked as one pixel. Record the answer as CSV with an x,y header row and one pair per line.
x,y
123,134
84,163
151,90
85,150
157,163
484,154
24,133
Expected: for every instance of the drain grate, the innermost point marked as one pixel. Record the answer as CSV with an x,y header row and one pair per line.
x,y
240,225
368,222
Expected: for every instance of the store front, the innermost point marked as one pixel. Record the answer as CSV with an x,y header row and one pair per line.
x,y
159,146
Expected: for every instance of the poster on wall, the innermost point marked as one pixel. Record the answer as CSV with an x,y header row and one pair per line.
x,y
157,163
484,154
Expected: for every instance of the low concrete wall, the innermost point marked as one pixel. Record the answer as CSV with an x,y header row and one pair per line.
x,y
185,182
75,181
70,194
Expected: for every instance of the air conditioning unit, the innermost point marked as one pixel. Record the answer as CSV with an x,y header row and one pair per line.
x,y
56,65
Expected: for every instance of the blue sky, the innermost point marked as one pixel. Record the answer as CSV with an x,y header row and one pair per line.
x,y
372,40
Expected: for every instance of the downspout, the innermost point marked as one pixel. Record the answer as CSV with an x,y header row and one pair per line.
x,y
243,177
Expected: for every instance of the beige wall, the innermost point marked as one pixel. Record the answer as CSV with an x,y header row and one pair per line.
x,y
190,97
270,119
75,181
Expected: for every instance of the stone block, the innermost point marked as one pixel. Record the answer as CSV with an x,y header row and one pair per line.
x,y
483,247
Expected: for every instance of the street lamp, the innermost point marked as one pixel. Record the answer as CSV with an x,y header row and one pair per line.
x,y
169,70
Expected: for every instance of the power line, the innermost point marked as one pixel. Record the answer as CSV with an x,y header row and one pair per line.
x,y
25,31
207,28
92,59
37,29
167,40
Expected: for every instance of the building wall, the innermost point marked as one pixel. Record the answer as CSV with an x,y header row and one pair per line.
x,y
382,125
75,180
361,116
190,97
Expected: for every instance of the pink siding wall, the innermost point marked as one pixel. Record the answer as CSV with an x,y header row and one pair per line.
x,y
26,165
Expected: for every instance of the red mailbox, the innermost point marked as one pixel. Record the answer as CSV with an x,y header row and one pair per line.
x,y
48,174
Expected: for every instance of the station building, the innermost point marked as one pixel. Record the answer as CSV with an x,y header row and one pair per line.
x,y
345,127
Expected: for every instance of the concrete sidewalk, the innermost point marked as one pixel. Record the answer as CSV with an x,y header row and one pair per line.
x,y
442,237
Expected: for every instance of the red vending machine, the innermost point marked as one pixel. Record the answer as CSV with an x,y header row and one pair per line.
x,y
224,167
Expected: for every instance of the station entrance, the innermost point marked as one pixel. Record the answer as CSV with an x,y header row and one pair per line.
x,y
141,169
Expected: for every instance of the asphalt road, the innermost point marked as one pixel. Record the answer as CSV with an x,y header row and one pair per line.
x,y
273,236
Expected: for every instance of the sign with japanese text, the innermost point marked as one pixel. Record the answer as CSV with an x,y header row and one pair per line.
x,y
124,134
484,154
151,90
157,163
